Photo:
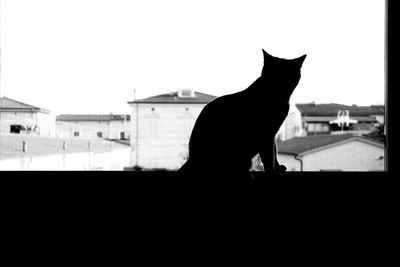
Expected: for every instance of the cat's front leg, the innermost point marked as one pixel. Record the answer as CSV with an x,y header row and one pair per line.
x,y
278,168
270,160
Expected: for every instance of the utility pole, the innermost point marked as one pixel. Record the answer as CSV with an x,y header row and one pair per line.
x,y
0,49
0,64
137,130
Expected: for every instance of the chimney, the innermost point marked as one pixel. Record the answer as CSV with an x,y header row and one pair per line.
x,y
186,93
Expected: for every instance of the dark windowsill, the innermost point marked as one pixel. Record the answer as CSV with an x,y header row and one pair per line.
x,y
330,177
151,177
168,179
127,189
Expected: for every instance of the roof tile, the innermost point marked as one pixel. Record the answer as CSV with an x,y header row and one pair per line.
x,y
8,103
333,108
92,117
298,145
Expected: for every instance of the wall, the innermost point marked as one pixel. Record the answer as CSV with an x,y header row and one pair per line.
x,y
291,127
352,156
45,121
159,137
290,162
89,129
9,118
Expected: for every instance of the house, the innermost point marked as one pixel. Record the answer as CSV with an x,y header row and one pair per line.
x,y
346,152
317,119
92,126
161,127
21,118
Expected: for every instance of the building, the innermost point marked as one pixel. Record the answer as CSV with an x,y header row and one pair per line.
x,y
161,128
20,118
90,126
317,119
345,152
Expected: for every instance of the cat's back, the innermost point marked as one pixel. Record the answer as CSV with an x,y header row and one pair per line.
x,y
226,105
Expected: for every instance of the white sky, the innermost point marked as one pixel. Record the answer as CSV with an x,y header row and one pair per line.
x,y
87,56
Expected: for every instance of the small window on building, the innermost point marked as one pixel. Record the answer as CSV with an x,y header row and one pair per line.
x,y
152,109
311,127
318,127
325,127
15,128
122,136
76,134
99,134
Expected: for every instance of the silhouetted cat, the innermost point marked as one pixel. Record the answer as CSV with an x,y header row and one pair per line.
x,y
232,129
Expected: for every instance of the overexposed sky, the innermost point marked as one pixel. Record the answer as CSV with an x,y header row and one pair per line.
x,y
87,56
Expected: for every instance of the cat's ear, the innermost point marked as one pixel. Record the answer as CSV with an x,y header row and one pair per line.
x,y
299,61
267,56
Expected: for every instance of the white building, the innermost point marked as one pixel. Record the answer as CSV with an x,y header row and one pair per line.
x,y
317,119
345,152
161,128
20,118
92,126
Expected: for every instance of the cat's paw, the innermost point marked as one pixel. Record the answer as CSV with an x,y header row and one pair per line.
x,y
280,170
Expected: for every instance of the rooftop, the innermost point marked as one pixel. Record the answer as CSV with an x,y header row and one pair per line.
x,y
175,97
92,117
8,104
332,109
299,145
330,118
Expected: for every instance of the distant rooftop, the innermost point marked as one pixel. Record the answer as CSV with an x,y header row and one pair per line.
x,y
299,145
177,97
8,104
93,117
332,109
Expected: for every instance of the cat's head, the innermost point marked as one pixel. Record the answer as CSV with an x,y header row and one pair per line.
x,y
284,74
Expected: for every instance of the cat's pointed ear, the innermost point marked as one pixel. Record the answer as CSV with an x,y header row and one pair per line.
x,y
266,56
300,60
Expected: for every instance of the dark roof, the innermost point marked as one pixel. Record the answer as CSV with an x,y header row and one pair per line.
x,y
10,104
199,98
332,109
298,145
92,117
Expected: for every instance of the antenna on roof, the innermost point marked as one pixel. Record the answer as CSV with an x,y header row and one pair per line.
x,y
134,94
